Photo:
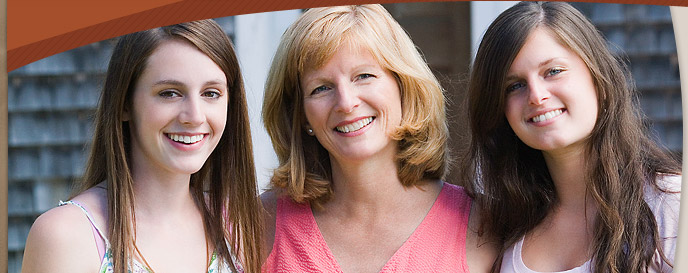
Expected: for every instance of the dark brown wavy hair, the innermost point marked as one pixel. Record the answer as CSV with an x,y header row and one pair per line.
x,y
224,188
511,180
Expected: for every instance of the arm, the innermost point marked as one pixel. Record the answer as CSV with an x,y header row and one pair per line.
x,y
61,240
481,251
269,200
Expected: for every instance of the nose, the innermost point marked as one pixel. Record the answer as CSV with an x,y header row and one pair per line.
x,y
347,98
192,112
537,92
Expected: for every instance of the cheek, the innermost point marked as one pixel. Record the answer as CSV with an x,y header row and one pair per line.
x,y
148,116
217,117
313,112
512,111
593,112
390,101
586,101
392,106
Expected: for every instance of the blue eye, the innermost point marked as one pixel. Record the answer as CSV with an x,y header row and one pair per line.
x,y
514,86
554,71
319,89
365,76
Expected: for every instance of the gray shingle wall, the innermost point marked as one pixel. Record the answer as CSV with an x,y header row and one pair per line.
x,y
50,107
51,104
645,33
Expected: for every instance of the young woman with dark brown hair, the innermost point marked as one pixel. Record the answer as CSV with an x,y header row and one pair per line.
x,y
563,166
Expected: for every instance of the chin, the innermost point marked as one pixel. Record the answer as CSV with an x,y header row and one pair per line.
x,y
187,170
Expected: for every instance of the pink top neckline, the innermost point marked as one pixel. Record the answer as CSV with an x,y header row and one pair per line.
x,y
437,244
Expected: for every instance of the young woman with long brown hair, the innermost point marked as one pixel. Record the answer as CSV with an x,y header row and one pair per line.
x,y
169,184
564,168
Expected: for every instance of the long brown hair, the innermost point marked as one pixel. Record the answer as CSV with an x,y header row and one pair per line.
x,y
224,188
511,180
304,171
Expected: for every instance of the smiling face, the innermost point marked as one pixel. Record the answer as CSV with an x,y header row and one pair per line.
x,y
178,111
551,98
353,105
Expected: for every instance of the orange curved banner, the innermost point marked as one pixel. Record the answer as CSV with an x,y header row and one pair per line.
x,y
40,28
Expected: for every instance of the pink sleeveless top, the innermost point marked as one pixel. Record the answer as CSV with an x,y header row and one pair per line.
x,y
437,245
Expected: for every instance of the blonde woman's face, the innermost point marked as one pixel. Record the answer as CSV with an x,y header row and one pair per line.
x,y
352,104
551,98
179,110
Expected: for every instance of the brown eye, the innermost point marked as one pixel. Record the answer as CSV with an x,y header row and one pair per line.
x,y
212,93
169,93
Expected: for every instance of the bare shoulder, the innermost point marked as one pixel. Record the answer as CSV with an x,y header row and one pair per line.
x,y
269,200
481,248
61,240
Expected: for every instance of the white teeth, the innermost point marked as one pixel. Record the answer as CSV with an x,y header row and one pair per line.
x,y
185,139
354,126
547,115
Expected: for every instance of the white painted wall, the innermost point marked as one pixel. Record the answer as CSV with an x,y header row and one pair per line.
x,y
256,39
482,14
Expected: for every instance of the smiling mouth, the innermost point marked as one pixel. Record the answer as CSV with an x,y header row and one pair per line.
x,y
546,116
185,139
354,126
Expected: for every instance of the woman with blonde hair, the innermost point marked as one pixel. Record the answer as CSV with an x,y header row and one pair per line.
x,y
169,184
564,170
358,123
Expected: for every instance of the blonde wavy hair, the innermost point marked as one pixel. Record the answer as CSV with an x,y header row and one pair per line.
x,y
304,172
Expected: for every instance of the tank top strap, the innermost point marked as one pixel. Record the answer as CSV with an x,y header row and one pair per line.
x,y
98,234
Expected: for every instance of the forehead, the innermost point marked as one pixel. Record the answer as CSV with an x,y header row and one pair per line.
x,y
541,46
179,59
346,54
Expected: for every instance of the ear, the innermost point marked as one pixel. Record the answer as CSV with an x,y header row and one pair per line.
x,y
126,116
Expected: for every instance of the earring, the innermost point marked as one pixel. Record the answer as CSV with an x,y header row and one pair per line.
x,y
309,131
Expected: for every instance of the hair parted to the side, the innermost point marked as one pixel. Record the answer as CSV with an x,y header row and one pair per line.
x,y
304,172
511,180
224,188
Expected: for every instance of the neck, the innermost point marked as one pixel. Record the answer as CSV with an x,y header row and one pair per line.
x,y
568,171
159,195
371,187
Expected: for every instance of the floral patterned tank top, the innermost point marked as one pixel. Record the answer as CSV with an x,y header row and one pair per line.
x,y
215,265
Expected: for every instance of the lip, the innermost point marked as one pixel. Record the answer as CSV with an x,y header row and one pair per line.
x,y
357,132
347,122
184,146
529,120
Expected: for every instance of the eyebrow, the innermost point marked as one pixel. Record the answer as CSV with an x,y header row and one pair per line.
x,y
179,83
548,61
365,66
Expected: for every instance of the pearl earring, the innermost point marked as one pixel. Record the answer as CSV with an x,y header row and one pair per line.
x,y
309,131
